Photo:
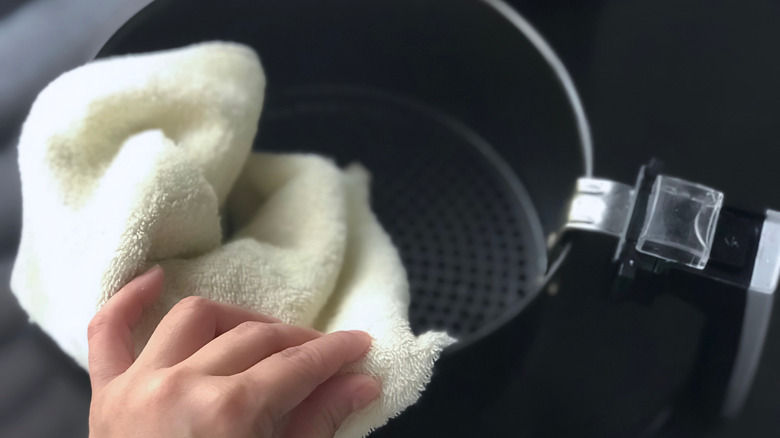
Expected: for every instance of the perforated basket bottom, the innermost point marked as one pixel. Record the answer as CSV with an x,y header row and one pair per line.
x,y
456,218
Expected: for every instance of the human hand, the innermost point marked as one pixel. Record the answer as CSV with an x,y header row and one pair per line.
x,y
212,370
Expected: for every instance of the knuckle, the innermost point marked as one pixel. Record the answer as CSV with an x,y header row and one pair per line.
x,y
96,325
257,333
192,305
304,356
232,404
265,419
329,421
250,328
160,389
226,406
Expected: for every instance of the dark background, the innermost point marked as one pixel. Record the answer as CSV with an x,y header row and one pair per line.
x,y
695,84
691,82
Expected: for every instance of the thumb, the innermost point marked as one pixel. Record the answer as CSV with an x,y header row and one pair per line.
x,y
321,414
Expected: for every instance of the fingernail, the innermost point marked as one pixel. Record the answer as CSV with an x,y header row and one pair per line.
x,y
151,272
366,337
367,391
362,334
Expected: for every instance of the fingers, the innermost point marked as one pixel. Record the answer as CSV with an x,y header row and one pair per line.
x,y
111,348
288,377
245,345
191,324
321,414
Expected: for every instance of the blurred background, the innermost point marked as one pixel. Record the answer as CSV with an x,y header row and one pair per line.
x,y
694,82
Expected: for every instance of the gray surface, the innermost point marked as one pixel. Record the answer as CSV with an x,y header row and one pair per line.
x,y
39,39
10,202
42,392
11,315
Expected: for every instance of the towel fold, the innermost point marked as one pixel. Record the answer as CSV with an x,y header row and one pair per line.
x,y
143,159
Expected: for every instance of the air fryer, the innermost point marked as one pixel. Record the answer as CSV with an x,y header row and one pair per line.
x,y
483,170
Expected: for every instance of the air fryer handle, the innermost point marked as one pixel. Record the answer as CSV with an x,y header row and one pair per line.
x,y
746,257
677,236
735,292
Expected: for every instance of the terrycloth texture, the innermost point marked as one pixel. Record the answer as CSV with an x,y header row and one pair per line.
x,y
137,160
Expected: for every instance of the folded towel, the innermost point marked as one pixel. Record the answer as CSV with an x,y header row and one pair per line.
x,y
136,160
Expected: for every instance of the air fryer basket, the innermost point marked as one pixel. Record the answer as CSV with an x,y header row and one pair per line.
x,y
460,111
460,223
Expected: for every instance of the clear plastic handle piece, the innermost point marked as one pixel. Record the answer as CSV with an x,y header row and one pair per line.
x,y
680,222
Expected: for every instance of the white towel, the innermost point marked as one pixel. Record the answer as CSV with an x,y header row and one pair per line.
x,y
135,160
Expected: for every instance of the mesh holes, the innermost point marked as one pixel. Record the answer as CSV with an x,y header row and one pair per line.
x,y
457,223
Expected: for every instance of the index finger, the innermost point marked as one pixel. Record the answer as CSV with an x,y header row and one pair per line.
x,y
111,348
289,376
